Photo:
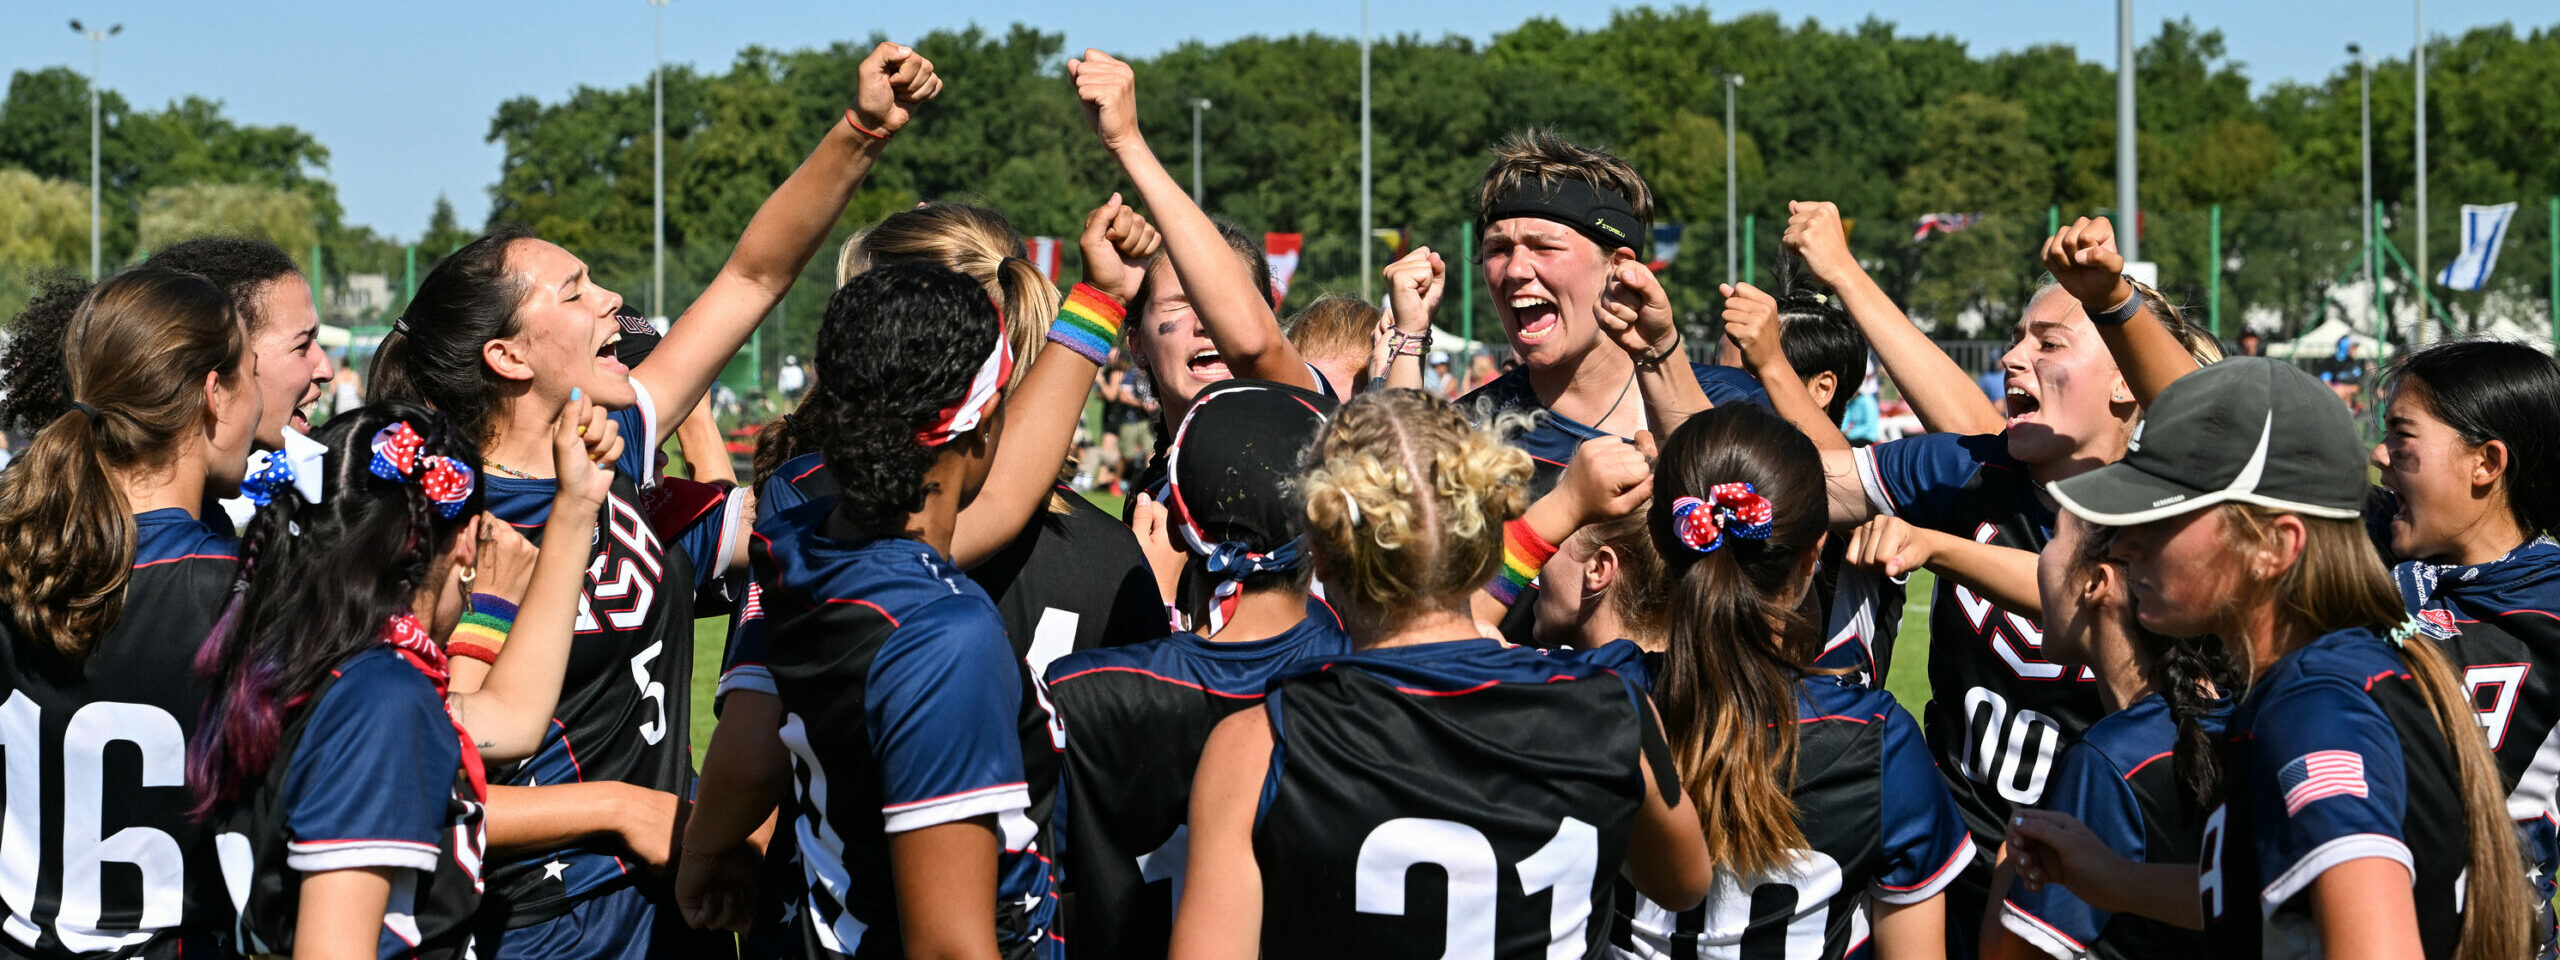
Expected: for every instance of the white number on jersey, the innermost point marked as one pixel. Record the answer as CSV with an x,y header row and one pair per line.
x,y
2012,752
162,745
1568,865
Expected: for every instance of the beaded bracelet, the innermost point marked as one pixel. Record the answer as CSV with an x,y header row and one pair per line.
x,y
1089,323
483,631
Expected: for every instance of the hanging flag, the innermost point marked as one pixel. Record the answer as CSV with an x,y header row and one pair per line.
x,y
2484,229
1942,223
1397,239
1666,246
1282,249
1044,254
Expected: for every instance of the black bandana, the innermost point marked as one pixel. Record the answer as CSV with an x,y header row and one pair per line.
x,y
1596,212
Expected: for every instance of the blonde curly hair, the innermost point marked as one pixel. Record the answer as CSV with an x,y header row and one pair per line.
x,y
1405,504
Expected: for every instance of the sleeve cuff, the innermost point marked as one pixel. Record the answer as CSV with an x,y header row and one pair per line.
x,y
2039,934
905,817
648,407
321,856
753,678
1936,882
732,526
2354,846
1865,457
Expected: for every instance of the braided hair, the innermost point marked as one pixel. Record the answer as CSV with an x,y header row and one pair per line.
x,y
315,585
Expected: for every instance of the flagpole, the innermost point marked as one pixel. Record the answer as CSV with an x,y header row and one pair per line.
x,y
1368,235
1732,202
2128,196
2419,59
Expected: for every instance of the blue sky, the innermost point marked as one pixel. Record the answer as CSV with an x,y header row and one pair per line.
x,y
401,91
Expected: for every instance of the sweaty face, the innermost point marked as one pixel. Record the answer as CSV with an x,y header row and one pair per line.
x,y
566,328
2180,572
1174,346
1546,281
2429,467
2062,387
292,367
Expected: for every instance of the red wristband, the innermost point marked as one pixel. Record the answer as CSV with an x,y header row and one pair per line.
x,y
859,128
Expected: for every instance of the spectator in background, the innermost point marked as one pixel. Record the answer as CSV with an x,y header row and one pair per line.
x,y
1480,370
347,391
1862,421
2252,345
792,379
2344,372
1437,380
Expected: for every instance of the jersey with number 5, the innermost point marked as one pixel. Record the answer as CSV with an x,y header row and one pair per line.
x,y
1878,825
1457,799
627,696
95,842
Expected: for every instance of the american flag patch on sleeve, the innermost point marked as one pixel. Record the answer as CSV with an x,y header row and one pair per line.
x,y
2320,775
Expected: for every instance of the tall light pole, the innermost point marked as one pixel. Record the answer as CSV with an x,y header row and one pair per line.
x,y
1732,201
2128,196
2364,71
1367,236
97,40
1197,104
658,143
2420,334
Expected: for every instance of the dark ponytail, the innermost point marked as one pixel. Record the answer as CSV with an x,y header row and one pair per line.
x,y
2492,390
433,353
898,344
316,583
124,378
1728,687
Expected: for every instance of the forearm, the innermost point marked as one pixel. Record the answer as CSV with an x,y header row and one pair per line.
x,y
525,820
1787,394
1670,392
745,775
2004,575
511,709
2146,353
2162,891
705,456
1040,418
1234,313
1942,395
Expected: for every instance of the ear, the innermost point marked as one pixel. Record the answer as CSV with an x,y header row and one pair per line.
x,y
507,358
2284,547
2101,586
2492,465
2123,393
466,544
1823,386
1601,571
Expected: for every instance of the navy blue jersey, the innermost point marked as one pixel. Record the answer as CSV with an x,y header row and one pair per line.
x,y
1879,827
628,692
1553,437
904,708
372,776
1137,717
1459,798
2500,624
99,842
1861,612
2333,756
2120,781
1999,712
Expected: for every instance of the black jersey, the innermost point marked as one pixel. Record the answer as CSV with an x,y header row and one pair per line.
x,y
1861,612
625,703
1878,824
2333,756
2500,624
95,844
903,708
372,774
1137,717
1999,712
1458,798
1553,437
2121,782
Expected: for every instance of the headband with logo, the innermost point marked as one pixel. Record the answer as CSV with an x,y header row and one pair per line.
x,y
1595,211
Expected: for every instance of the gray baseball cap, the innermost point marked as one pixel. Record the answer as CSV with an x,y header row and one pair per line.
x,y
2245,430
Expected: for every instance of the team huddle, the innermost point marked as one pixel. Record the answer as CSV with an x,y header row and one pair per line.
x,y
1588,663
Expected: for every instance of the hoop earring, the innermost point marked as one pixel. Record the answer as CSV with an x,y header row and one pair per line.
x,y
470,574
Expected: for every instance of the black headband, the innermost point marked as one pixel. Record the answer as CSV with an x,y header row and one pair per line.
x,y
1596,212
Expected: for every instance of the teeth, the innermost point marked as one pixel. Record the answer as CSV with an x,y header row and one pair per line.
x,y
2015,392
1523,303
1210,353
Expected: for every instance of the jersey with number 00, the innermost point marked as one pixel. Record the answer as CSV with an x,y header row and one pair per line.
x,y
95,842
904,709
1879,825
369,775
1137,717
1999,712
1457,799
625,703
2332,756
2500,623
2122,783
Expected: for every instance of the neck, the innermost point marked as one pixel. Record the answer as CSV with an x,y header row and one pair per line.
x,y
1588,386
2121,680
523,440
1449,622
1605,625
941,512
2097,452
1263,614
2494,535
2270,636
179,484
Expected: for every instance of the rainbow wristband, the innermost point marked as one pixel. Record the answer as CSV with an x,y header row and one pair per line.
x,y
1523,552
483,631
1089,323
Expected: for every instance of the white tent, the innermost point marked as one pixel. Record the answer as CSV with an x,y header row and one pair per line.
x,y
2502,328
2322,341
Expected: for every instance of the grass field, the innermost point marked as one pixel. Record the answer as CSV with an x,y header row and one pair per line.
x,y
1909,678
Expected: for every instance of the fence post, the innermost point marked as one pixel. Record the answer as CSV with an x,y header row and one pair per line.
x,y
1467,273
2213,271
2052,220
1750,249
2373,258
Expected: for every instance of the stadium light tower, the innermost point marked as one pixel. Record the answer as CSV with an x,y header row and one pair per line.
x,y
97,40
2128,196
1732,201
1197,104
658,143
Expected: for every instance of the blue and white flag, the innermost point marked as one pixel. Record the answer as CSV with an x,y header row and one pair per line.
x,y
1666,245
2483,229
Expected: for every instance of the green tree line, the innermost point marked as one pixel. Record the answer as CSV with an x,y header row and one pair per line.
x,y
1890,126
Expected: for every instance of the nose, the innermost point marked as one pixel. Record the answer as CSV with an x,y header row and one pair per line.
x,y
1517,267
2015,360
2381,457
322,371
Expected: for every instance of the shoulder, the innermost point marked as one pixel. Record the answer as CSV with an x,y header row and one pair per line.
x,y
171,537
2128,738
1144,657
1831,698
379,672
1502,393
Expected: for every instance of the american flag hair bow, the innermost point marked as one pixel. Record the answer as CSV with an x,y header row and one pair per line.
x,y
447,481
1730,508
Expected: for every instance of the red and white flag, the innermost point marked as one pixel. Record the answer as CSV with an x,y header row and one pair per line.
x,y
1283,249
1942,223
1044,254
2320,775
